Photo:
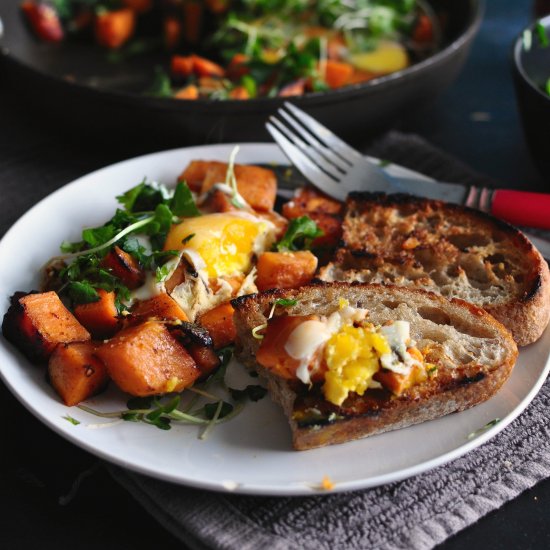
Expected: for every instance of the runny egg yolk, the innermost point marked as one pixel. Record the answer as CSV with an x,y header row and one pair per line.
x,y
225,242
352,358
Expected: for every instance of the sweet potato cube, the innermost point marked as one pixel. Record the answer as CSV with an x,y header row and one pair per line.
x,y
258,186
125,267
195,172
219,323
187,92
285,269
146,359
337,73
205,67
272,353
101,317
206,358
44,21
115,28
76,373
37,323
398,383
181,66
160,307
218,201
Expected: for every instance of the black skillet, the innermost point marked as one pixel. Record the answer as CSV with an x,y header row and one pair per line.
x,y
74,88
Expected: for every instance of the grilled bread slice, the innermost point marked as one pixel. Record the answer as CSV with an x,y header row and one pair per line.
x,y
472,355
455,251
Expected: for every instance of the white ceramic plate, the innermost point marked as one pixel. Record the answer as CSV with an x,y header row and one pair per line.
x,y
252,453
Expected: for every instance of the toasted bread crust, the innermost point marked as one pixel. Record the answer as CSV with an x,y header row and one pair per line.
x,y
456,387
453,250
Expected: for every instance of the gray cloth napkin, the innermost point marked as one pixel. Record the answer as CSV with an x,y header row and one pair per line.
x,y
417,513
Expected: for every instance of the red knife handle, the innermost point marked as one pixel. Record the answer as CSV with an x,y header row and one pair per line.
x,y
522,207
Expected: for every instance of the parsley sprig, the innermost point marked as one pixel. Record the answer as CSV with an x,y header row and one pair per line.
x,y
300,234
147,210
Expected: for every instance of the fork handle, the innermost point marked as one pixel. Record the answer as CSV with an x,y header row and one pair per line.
x,y
522,207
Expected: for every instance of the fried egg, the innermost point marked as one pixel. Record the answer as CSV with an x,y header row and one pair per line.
x,y
222,244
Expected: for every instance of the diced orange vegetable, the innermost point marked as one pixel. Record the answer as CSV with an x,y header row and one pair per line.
x,y
205,67
424,32
285,269
125,267
359,76
44,21
37,323
172,32
295,88
308,200
101,317
146,359
188,92
139,6
192,18
195,172
114,28
181,66
331,226
217,6
337,73
272,354
398,383
240,92
206,358
184,66
237,66
76,373
219,323
161,306
218,201
257,186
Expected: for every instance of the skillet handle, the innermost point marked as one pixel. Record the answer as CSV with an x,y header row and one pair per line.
x,y
522,207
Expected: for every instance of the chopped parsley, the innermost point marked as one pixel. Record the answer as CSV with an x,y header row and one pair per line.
x,y
300,234
147,213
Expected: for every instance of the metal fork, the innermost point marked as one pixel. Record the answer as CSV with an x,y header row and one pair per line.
x,y
336,168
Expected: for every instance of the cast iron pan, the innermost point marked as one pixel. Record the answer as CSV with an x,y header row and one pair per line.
x,y
73,87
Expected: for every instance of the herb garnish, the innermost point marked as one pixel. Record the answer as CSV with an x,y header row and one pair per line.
x,y
70,419
483,429
148,212
185,408
299,235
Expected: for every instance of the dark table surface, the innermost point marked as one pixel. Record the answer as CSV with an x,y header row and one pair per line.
x,y
476,120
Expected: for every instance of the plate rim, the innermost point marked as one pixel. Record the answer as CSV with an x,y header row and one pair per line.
x,y
255,489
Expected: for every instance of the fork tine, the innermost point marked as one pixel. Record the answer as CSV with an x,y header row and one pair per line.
x,y
330,156
346,151
306,166
307,150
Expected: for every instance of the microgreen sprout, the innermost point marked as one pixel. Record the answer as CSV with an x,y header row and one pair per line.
x,y
185,408
231,180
